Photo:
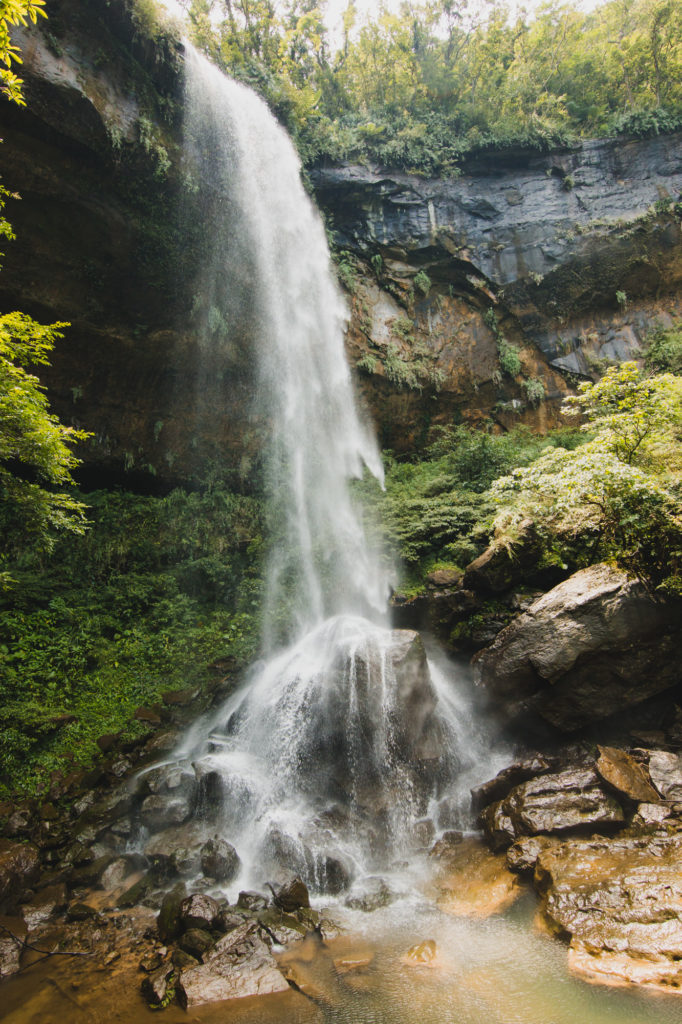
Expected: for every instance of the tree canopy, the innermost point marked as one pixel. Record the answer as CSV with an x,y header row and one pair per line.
x,y
420,88
618,495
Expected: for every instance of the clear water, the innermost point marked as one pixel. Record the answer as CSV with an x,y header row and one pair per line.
x,y
499,971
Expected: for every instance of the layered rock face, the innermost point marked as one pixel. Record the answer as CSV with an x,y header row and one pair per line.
x,y
109,238
601,838
545,242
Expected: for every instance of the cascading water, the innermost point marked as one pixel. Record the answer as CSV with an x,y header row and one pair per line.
x,y
327,760
267,266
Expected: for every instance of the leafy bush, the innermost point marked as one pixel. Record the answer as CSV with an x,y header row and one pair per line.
x,y
535,390
510,361
663,350
157,590
422,282
649,121
617,496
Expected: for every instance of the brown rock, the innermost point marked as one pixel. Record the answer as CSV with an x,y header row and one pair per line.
x,y
665,770
591,647
155,985
13,934
107,742
504,781
441,578
554,803
474,882
422,953
499,567
196,942
620,902
219,860
149,715
620,771
523,854
180,698
198,911
19,869
44,904
292,895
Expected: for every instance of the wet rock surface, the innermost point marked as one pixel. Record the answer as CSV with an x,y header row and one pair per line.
x,y
554,803
472,881
615,893
620,902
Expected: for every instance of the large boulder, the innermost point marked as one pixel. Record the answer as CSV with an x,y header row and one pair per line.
x,y
620,902
621,772
198,911
592,646
240,965
176,851
219,860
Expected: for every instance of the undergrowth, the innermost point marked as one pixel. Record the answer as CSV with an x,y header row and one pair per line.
x,y
157,590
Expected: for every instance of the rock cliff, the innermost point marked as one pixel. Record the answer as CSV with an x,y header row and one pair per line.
x,y
522,249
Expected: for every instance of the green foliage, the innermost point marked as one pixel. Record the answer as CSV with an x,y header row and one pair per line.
x,y
347,271
422,282
622,299
35,448
663,350
153,147
12,14
156,591
535,390
439,510
368,363
412,372
646,122
420,88
510,361
638,418
617,496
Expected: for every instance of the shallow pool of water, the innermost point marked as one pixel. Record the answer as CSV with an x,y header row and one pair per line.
x,y
498,971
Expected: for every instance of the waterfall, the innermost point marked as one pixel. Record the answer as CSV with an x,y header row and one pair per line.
x,y
340,751
267,265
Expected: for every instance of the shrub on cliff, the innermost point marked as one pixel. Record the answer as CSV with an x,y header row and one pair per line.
x,y
617,496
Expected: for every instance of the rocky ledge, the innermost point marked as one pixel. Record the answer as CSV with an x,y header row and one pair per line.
x,y
601,836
